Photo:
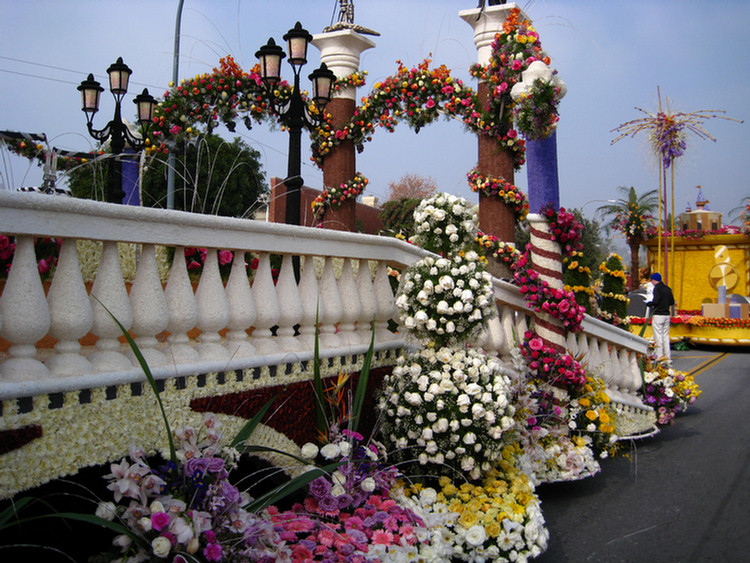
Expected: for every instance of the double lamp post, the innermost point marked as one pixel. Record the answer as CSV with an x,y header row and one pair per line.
x,y
294,113
116,131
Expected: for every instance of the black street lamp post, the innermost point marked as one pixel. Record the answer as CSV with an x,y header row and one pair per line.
x,y
116,131
294,112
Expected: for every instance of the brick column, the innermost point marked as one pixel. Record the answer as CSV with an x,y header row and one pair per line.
x,y
340,50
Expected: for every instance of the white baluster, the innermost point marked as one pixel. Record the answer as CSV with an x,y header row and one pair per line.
x,y
268,308
332,309
241,309
609,375
635,372
213,309
386,304
632,379
183,310
26,317
583,348
109,291
290,303
510,339
71,316
595,359
492,335
310,298
150,309
521,326
367,300
351,307
571,344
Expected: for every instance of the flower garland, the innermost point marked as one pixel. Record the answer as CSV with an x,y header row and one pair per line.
x,y
417,95
498,187
208,99
353,80
577,278
652,232
559,303
492,247
333,197
513,50
564,228
719,322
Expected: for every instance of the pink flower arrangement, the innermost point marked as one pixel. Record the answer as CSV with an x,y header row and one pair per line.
x,y
564,227
549,364
541,297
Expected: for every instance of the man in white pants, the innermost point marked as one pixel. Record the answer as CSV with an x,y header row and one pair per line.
x,y
661,304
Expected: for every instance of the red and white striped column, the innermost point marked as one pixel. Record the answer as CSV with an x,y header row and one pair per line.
x,y
546,260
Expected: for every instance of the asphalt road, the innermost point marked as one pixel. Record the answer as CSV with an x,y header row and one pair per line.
x,y
682,496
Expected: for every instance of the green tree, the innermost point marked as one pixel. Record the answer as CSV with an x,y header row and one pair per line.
x,y
212,176
397,216
631,214
614,302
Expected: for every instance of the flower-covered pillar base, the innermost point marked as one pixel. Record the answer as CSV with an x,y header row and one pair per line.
x,y
340,51
495,217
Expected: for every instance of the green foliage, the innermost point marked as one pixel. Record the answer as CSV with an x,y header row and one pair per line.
x,y
632,215
593,246
212,176
398,216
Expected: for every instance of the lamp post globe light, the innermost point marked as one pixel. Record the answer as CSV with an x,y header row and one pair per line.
x,y
116,131
294,112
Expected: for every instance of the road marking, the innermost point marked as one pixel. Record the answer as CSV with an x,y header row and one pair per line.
x,y
709,363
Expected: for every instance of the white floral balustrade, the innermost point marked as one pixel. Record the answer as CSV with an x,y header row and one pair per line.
x,y
264,325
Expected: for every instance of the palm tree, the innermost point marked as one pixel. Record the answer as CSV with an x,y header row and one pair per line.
x,y
742,213
631,214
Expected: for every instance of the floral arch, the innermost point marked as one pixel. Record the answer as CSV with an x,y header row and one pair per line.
x,y
415,96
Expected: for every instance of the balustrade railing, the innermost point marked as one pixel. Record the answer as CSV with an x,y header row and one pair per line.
x,y
185,324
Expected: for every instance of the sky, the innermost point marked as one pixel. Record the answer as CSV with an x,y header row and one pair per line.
x,y
614,56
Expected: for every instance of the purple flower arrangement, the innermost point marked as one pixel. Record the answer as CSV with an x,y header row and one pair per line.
x,y
185,509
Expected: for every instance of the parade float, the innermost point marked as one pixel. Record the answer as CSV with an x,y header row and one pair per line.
x,y
710,269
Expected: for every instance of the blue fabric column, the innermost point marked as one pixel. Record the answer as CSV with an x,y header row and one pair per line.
x,y
130,178
541,171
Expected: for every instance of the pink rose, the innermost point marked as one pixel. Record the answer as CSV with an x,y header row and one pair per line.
x,y
225,257
536,343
